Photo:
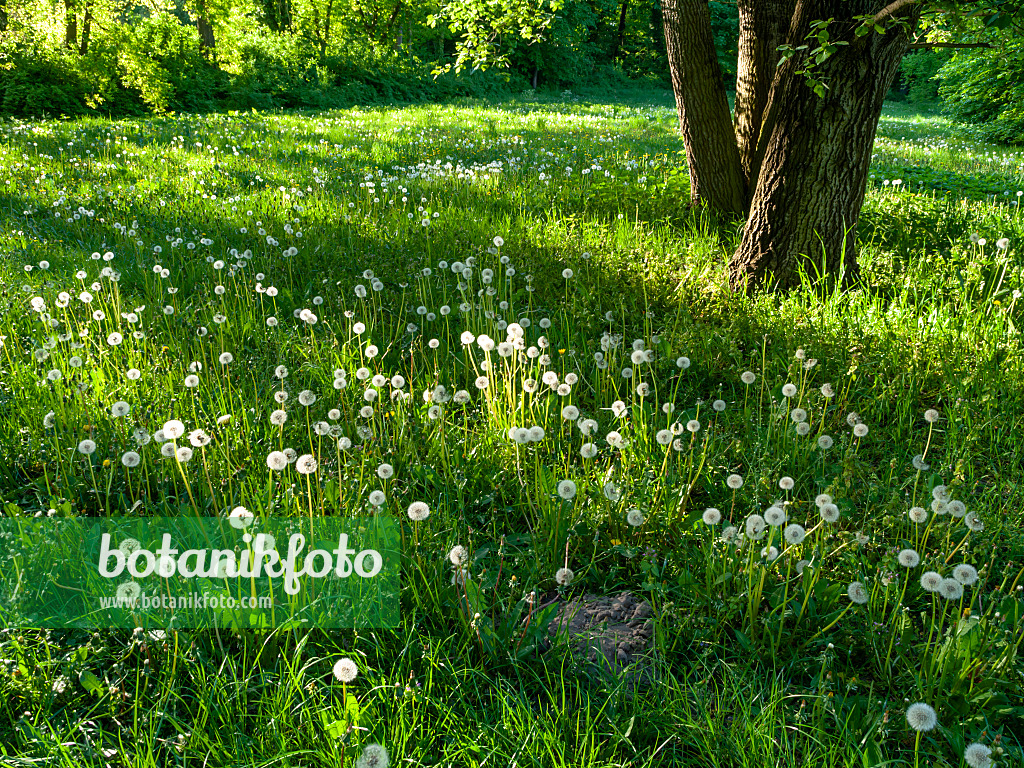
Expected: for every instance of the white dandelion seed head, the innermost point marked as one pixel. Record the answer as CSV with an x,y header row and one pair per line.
x,y
951,589
276,460
374,755
931,581
794,533
748,377
564,576
829,512
635,518
377,498
711,516
775,516
966,574
917,514
857,592
418,511
978,755
611,492
786,483
908,558
567,489
240,518
173,429
345,670
755,527
306,464
734,481
788,390
458,555
921,717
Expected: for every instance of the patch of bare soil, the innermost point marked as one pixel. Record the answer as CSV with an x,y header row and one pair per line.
x,y
615,633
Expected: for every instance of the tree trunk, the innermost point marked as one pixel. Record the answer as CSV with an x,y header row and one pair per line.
x,y
811,185
764,25
70,25
83,47
704,120
621,35
3,15
391,25
207,42
270,15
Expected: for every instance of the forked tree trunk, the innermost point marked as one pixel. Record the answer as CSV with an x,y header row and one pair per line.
x,y
812,180
764,25
704,119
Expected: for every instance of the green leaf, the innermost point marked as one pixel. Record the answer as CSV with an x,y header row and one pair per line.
x,y
90,682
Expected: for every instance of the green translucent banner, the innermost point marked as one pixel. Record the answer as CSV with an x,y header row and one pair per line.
x,y
199,572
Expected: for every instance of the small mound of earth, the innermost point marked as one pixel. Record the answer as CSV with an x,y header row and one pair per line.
x,y
614,632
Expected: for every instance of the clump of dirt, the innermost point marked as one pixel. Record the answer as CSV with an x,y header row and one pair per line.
x,y
616,633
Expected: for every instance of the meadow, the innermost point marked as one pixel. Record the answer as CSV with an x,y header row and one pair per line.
x,y
501,324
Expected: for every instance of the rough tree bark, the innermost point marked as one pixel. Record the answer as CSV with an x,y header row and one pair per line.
x,y
3,15
802,159
817,150
704,119
764,25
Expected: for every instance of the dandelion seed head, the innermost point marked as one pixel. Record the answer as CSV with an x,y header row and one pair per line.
x,y
931,581
921,717
418,511
966,574
908,558
978,755
345,670
857,592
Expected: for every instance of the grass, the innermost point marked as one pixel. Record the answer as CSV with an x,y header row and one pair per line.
x,y
769,650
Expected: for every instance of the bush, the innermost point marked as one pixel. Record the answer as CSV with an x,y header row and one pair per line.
x,y
986,87
917,75
43,83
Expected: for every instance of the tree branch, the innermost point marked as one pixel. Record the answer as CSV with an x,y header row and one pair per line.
x,y
891,9
949,45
